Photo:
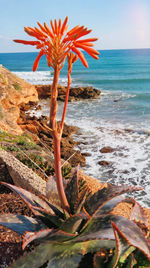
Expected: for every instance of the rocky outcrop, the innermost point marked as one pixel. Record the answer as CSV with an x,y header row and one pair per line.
x,y
76,93
14,91
38,129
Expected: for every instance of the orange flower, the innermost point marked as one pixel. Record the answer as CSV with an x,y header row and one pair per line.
x,y
55,43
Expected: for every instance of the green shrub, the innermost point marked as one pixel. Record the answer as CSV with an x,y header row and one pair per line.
x,y
17,86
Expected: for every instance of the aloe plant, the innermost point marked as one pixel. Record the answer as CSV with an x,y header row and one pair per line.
x,y
64,238
71,222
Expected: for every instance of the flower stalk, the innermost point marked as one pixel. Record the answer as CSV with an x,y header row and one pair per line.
x,y
56,140
57,44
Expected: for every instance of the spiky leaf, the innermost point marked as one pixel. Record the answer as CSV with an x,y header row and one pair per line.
x,y
72,224
122,247
110,205
36,258
31,236
48,219
50,235
97,200
52,193
132,234
62,261
30,199
81,201
73,252
72,191
138,214
97,228
20,223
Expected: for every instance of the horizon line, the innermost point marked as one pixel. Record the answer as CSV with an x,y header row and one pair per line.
x,y
96,49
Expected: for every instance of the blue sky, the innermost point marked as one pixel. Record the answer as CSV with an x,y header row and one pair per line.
x,y
117,23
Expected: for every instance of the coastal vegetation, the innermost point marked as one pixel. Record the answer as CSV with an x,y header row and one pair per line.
x,y
17,86
72,222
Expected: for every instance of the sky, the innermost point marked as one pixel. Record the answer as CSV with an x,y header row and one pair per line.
x,y
119,24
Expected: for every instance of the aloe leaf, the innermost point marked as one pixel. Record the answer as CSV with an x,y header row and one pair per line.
x,y
52,193
30,199
62,261
30,236
49,220
122,248
97,200
138,214
97,228
59,236
110,205
72,191
74,251
36,258
20,223
72,224
81,201
51,235
133,235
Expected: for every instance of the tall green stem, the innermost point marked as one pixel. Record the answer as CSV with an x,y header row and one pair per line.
x,y
56,140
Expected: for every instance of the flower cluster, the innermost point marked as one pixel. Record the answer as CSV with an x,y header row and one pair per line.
x,y
55,42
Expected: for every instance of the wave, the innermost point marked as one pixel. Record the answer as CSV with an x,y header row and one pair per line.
x,y
130,161
39,77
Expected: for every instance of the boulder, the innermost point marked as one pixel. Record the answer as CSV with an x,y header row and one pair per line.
x,y
106,150
21,175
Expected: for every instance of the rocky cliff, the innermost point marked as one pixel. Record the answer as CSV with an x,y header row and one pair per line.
x,y
14,92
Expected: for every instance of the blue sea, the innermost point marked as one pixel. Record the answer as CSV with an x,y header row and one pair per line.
x,y
120,118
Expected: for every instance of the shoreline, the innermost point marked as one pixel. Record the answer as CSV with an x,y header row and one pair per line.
x,y
121,165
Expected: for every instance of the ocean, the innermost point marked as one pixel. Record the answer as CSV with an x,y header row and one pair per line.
x,y
120,118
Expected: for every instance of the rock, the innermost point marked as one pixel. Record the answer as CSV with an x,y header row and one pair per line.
x,y
106,150
27,106
104,163
67,152
77,93
21,175
14,92
86,154
125,171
